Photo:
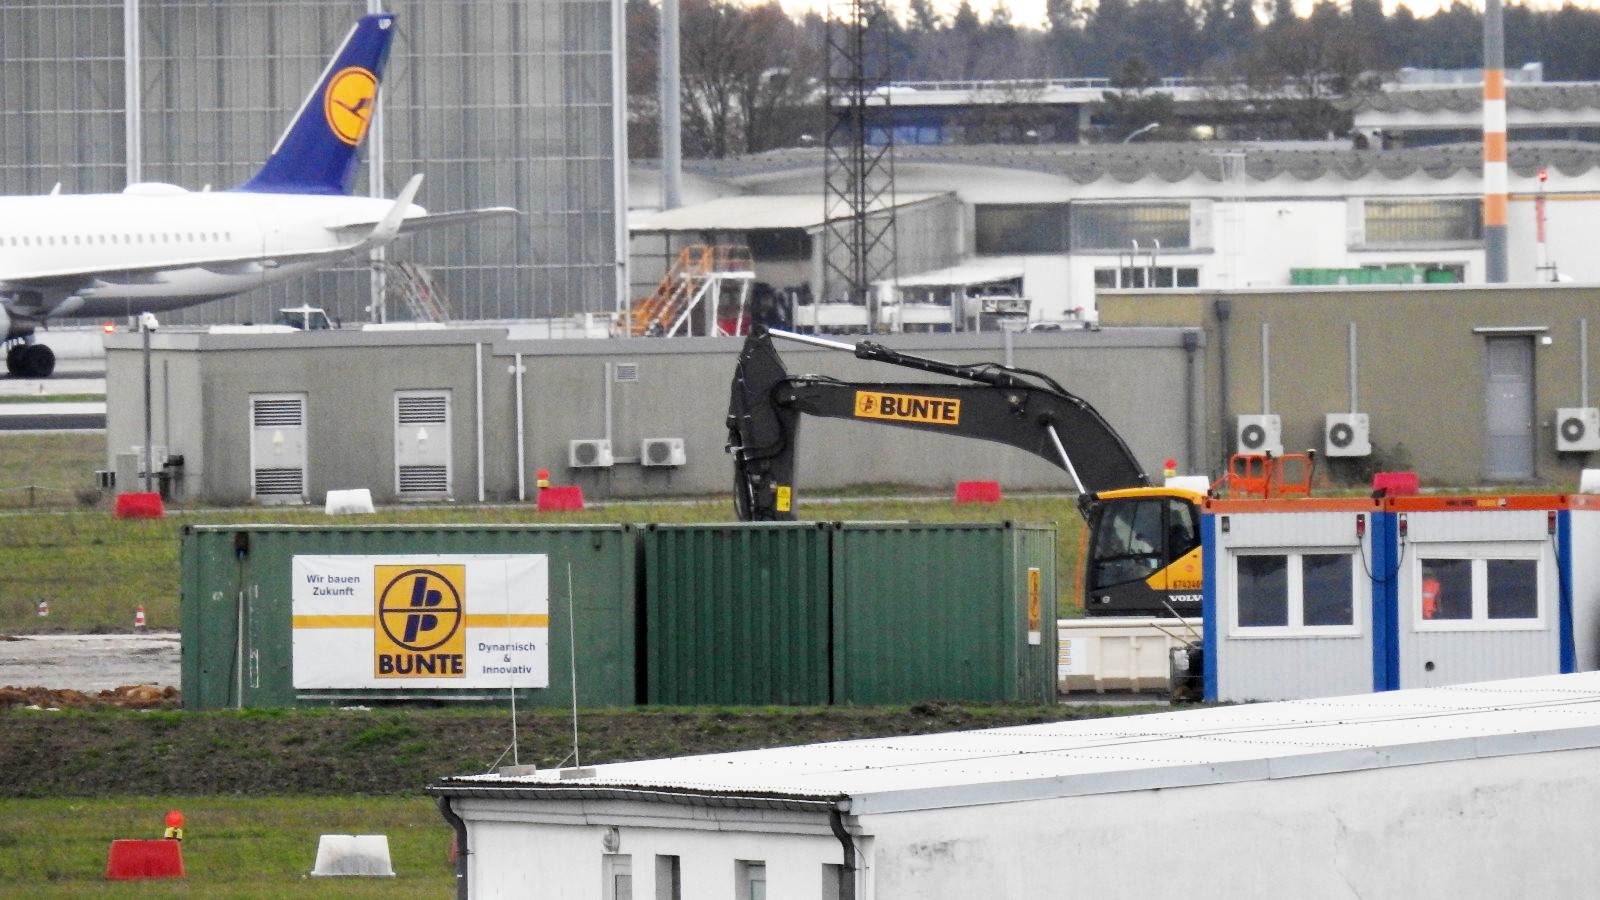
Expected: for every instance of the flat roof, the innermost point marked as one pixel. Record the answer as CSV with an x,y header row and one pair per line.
x,y
756,212
961,276
1215,745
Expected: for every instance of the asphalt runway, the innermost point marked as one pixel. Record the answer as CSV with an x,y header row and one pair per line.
x,y
74,376
89,662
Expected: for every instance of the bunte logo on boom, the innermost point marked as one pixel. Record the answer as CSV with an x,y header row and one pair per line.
x,y
908,408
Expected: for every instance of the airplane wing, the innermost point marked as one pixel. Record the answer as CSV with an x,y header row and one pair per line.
x,y
429,221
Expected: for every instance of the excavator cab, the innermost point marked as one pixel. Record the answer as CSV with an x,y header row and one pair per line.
x,y
1142,552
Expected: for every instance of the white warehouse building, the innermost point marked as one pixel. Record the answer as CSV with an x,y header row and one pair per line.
x,y
1069,220
1467,791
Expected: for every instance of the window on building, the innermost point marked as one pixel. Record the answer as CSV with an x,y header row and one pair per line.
x,y
1295,590
750,879
832,881
617,876
669,878
1422,222
1147,276
1464,591
1020,228
1118,226
776,245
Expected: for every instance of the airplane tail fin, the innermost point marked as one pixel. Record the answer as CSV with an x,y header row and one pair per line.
x,y
318,152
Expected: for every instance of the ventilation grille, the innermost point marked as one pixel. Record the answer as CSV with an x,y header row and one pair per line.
x,y
424,410
278,413
424,480
627,372
280,482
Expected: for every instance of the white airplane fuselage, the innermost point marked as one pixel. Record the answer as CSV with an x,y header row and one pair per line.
x,y
158,247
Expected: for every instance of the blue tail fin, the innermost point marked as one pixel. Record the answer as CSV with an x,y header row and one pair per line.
x,y
318,152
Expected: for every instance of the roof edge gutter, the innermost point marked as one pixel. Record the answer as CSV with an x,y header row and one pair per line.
x,y
594,792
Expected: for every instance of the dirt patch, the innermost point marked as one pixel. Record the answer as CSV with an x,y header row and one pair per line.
x,y
128,696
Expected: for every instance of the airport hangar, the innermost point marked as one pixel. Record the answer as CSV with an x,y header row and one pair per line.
x,y
1061,223
1464,384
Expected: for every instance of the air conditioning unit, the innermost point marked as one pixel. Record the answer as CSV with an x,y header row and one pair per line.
x,y
590,453
661,452
1346,434
1260,434
1577,429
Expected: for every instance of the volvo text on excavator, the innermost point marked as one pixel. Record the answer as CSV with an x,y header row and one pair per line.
x,y
1142,553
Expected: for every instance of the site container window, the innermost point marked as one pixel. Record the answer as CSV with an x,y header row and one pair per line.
x,y
1116,227
1476,592
1020,228
1422,222
1295,591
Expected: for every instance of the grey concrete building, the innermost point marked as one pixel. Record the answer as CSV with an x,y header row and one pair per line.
x,y
1465,385
473,414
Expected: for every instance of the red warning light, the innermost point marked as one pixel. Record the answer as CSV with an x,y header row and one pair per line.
x,y
109,328
174,819
1543,175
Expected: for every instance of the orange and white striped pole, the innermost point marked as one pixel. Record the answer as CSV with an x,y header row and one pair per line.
x,y
1495,176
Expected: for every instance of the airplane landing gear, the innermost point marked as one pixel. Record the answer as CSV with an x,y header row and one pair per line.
x,y
30,361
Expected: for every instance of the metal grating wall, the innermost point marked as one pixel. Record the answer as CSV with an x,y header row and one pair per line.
x,y
497,102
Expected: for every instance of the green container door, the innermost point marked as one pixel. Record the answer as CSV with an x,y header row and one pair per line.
x,y
942,612
240,632
737,614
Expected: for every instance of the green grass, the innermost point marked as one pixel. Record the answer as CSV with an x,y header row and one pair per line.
x,y
93,568
242,847
49,470
53,398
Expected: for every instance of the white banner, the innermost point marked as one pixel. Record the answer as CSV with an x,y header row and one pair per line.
x,y
421,621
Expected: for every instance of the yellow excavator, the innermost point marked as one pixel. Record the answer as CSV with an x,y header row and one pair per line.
x,y
1142,548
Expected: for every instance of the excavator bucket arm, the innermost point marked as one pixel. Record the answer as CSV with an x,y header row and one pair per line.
x,y
1002,404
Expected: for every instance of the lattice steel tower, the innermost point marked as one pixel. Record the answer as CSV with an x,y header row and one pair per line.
x,y
858,165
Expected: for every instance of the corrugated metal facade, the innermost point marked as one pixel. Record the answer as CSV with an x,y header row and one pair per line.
x,y
497,102
737,614
921,616
236,608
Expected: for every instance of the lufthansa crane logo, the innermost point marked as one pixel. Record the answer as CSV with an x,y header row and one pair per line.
x,y
420,622
348,103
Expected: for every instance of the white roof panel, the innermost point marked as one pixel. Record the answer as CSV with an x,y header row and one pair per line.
x,y
969,273
752,212
1200,746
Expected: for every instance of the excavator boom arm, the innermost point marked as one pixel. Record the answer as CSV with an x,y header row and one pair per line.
x,y
1009,406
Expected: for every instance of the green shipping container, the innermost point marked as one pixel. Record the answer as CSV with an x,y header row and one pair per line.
x,y
280,616
944,612
737,614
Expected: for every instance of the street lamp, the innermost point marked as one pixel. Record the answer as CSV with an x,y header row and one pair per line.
x,y
147,324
